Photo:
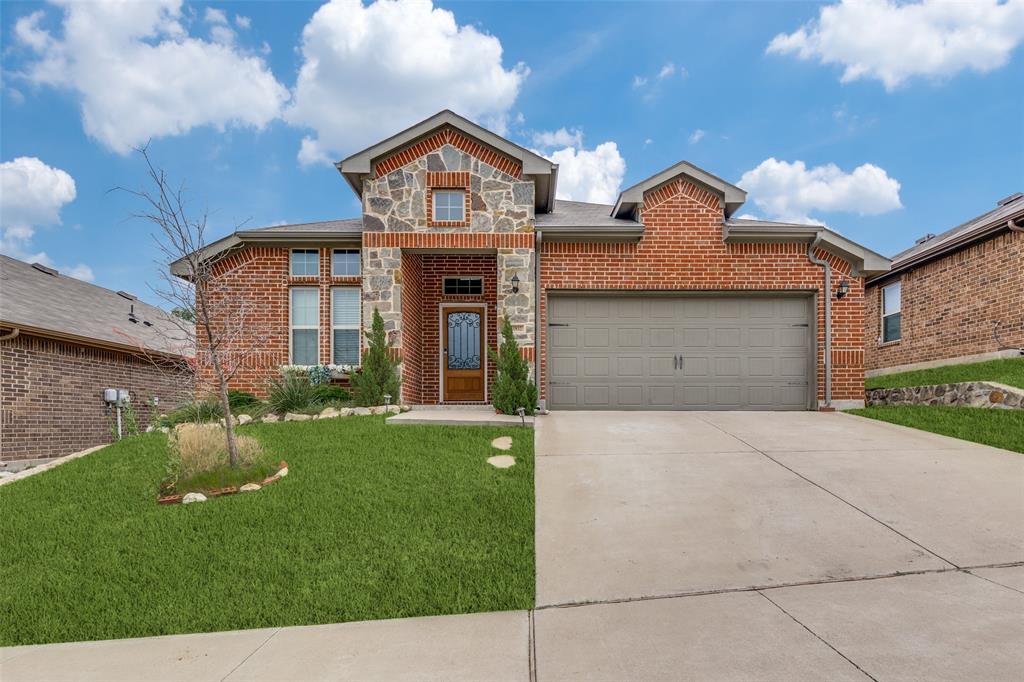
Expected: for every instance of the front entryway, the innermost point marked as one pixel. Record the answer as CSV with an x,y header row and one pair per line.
x,y
680,352
462,353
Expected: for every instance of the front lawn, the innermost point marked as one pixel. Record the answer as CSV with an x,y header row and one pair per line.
x,y
999,428
373,521
1009,371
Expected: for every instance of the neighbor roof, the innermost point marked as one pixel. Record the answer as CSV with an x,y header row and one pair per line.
x,y
543,172
38,299
934,246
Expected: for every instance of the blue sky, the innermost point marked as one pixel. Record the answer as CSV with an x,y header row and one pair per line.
x,y
884,121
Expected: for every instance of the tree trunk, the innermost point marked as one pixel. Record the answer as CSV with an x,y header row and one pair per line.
x,y
225,404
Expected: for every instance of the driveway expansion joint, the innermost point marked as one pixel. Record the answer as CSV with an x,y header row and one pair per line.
x,y
838,497
818,637
251,654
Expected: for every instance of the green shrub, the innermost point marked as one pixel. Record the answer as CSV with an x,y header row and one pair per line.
x,y
512,387
208,410
292,392
378,375
239,400
326,393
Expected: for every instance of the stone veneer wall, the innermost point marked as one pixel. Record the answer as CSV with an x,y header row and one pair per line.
x,y
51,397
499,204
966,394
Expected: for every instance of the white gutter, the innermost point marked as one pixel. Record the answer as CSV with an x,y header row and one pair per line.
x,y
828,316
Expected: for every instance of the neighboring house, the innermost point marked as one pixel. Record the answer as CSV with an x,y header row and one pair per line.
x,y
62,342
662,301
953,297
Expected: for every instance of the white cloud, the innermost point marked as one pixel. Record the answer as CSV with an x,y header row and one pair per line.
x,y
32,195
558,138
242,21
791,191
370,71
140,75
893,42
639,82
669,69
648,141
215,16
593,175
651,85
696,136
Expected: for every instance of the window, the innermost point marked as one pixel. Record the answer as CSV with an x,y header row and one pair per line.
x,y
345,263
449,204
463,286
305,326
305,263
345,325
891,312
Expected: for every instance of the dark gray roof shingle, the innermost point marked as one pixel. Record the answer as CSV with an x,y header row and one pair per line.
x,y
580,214
937,242
353,225
32,298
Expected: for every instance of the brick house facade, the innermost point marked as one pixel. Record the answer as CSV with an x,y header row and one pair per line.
x,y
62,342
960,296
455,221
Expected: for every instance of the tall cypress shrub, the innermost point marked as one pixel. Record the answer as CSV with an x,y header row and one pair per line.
x,y
512,387
378,375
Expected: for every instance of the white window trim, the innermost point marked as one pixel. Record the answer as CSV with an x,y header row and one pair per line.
x,y
291,252
359,262
357,325
454,190
293,327
884,314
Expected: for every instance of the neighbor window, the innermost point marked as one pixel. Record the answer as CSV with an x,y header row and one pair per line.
x,y
891,312
463,286
345,325
305,263
345,263
305,325
449,204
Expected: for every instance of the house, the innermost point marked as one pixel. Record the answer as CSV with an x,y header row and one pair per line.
x,y
62,342
953,297
662,301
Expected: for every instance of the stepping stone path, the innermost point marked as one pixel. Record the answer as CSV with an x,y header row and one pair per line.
x,y
501,461
502,443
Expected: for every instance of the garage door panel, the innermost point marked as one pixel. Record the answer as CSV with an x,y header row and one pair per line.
x,y
623,352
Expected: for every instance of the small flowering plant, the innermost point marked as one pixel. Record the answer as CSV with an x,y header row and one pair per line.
x,y
318,374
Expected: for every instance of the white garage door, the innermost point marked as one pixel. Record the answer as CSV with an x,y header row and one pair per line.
x,y
752,352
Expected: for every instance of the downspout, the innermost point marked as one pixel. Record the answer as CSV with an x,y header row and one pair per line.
x,y
828,316
536,314
1014,227
13,335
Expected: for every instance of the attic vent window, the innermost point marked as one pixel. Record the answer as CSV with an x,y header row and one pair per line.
x,y
927,238
42,268
125,294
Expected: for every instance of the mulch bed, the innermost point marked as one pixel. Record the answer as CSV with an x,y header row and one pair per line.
x,y
229,490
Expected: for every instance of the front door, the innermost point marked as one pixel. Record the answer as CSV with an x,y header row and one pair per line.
x,y
462,355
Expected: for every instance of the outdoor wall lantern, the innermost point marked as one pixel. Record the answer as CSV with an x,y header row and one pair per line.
x,y
515,283
843,289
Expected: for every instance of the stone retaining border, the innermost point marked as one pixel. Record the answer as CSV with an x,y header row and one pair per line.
x,y
982,394
282,471
50,464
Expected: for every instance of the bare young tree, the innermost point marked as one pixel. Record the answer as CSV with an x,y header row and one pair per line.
x,y
216,318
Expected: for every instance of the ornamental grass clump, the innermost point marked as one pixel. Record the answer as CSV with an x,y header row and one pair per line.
x,y
199,459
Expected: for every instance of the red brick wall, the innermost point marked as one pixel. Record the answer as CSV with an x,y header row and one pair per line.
x,y
950,305
412,328
261,277
51,397
682,249
435,267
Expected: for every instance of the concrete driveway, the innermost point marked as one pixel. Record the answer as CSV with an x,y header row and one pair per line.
x,y
774,546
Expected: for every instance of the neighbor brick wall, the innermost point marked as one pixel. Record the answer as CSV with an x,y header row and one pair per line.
x,y
682,249
51,397
261,278
950,305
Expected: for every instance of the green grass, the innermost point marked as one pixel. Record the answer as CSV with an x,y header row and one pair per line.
x,y
222,478
1008,371
372,521
999,428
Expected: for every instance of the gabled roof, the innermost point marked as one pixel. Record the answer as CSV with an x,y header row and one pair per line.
x,y
542,171
732,196
41,300
347,231
865,262
975,229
